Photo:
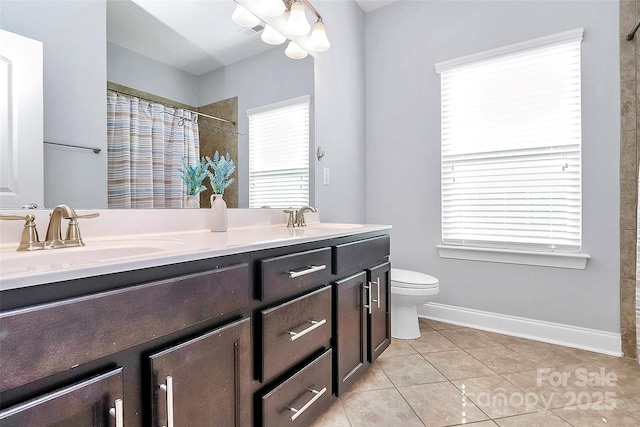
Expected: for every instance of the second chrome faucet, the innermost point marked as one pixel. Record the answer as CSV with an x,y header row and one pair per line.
x,y
296,217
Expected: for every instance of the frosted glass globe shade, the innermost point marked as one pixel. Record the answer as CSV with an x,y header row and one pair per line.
x,y
271,36
318,41
242,16
294,51
297,23
270,8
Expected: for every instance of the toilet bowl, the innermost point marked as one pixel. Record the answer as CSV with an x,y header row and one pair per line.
x,y
409,289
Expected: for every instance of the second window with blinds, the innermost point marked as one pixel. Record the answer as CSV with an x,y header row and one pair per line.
x,y
511,147
279,154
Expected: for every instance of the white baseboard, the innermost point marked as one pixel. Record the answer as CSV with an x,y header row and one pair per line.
x,y
553,333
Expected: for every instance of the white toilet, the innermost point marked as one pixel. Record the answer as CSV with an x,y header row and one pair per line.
x,y
409,289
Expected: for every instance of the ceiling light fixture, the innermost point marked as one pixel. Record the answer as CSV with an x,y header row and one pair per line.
x,y
243,17
271,8
294,51
285,19
271,36
318,41
297,23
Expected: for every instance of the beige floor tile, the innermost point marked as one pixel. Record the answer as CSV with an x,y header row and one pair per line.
x,y
439,326
431,341
539,390
539,419
397,348
629,404
379,408
496,396
590,356
585,417
440,404
468,338
627,374
501,359
487,423
335,416
424,324
409,370
373,379
458,364
505,339
544,355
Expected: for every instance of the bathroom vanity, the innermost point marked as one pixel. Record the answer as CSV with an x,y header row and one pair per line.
x,y
260,333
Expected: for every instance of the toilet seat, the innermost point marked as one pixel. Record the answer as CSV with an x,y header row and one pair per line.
x,y
412,279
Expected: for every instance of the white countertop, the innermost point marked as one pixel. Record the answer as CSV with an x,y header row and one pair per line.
x,y
107,253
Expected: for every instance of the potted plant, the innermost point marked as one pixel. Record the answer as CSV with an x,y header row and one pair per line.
x,y
193,177
222,167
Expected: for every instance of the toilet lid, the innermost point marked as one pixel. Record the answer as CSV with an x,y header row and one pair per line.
x,y
412,279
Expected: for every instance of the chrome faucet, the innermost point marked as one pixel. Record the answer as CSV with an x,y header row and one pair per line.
x,y
300,222
53,238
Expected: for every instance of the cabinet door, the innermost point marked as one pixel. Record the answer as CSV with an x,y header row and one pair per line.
x,y
379,278
204,381
97,402
351,330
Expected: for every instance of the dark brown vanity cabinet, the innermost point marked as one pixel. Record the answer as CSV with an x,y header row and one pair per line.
x,y
262,338
95,402
185,327
204,381
362,308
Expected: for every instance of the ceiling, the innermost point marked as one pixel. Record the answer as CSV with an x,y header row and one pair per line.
x,y
194,36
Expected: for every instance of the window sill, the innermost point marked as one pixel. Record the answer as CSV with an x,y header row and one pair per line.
x,y
509,256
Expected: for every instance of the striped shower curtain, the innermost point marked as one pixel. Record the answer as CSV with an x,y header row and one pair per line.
x,y
146,143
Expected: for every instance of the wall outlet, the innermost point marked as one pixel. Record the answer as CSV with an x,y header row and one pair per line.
x,y
326,176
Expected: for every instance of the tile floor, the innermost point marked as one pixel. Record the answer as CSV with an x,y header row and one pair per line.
x,y
454,376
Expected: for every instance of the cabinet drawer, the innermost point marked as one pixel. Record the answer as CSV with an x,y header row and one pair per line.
x,y
292,272
360,254
64,334
301,398
294,330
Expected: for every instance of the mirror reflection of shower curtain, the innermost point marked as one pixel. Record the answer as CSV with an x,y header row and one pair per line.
x,y
146,143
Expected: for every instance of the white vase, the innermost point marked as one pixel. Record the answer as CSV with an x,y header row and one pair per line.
x,y
218,213
192,202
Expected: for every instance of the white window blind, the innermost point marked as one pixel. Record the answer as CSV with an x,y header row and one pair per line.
x,y
279,154
511,137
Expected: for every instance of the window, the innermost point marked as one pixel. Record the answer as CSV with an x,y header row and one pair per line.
x,y
511,140
279,154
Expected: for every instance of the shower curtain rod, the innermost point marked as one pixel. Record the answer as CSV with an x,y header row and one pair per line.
x,y
173,106
633,32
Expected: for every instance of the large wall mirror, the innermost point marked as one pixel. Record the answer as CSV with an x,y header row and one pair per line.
x,y
187,52
193,53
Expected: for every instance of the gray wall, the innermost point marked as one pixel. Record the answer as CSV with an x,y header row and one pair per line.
x,y
404,41
137,71
340,109
74,94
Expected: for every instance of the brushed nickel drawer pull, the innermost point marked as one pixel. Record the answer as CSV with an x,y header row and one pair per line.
x,y
168,388
298,412
368,290
308,270
378,283
118,413
314,325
